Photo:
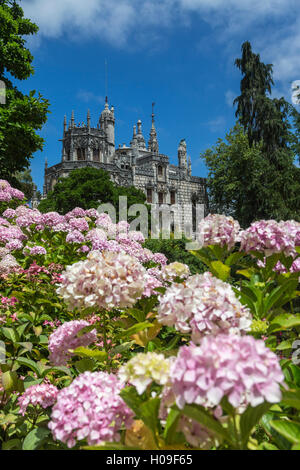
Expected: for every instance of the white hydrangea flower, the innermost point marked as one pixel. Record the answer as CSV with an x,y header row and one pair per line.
x,y
143,369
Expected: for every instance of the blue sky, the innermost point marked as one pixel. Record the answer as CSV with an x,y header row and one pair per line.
x,y
178,53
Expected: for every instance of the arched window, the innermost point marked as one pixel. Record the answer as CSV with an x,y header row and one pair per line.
x,y
160,170
80,154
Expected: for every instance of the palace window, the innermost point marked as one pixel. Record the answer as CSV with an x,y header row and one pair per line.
x,y
149,196
160,198
160,170
96,155
80,154
173,197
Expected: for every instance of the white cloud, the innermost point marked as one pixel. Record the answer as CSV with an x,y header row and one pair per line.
x,y
229,97
271,25
217,125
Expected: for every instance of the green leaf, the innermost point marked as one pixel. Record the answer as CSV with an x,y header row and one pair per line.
x,y
149,413
84,365
137,314
23,361
12,444
234,258
170,431
85,352
285,345
284,321
220,270
135,329
198,413
11,334
121,348
63,369
132,399
291,398
250,418
289,429
26,345
9,380
35,438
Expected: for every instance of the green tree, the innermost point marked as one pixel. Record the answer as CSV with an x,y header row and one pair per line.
x,y
22,115
87,188
26,183
239,183
252,175
175,250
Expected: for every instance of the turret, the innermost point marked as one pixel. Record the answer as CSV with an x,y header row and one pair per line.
x,y
182,155
139,137
107,124
153,144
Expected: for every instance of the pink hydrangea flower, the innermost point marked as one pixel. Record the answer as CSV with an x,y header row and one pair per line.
x,y
75,237
14,244
38,250
217,229
65,338
79,223
269,237
239,367
107,280
151,283
90,408
77,212
203,305
43,394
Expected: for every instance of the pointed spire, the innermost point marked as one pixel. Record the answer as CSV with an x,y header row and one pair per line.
x,y
72,120
89,119
65,124
46,163
153,144
133,142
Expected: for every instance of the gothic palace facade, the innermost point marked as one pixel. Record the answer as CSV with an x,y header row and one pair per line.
x,y
138,164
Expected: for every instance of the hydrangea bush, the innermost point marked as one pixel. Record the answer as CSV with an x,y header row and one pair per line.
x,y
109,345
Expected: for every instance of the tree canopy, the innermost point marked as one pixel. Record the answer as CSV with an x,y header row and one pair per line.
x,y
22,115
88,188
252,175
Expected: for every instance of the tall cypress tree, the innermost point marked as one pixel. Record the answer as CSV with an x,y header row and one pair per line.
x,y
266,121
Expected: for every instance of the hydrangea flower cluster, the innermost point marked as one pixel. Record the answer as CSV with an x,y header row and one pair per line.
x,y
217,229
203,305
151,283
42,394
171,271
107,280
143,369
8,264
7,193
241,368
65,338
35,250
90,408
269,237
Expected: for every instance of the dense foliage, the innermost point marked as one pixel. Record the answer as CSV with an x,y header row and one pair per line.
x,y
88,188
253,174
110,346
22,115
